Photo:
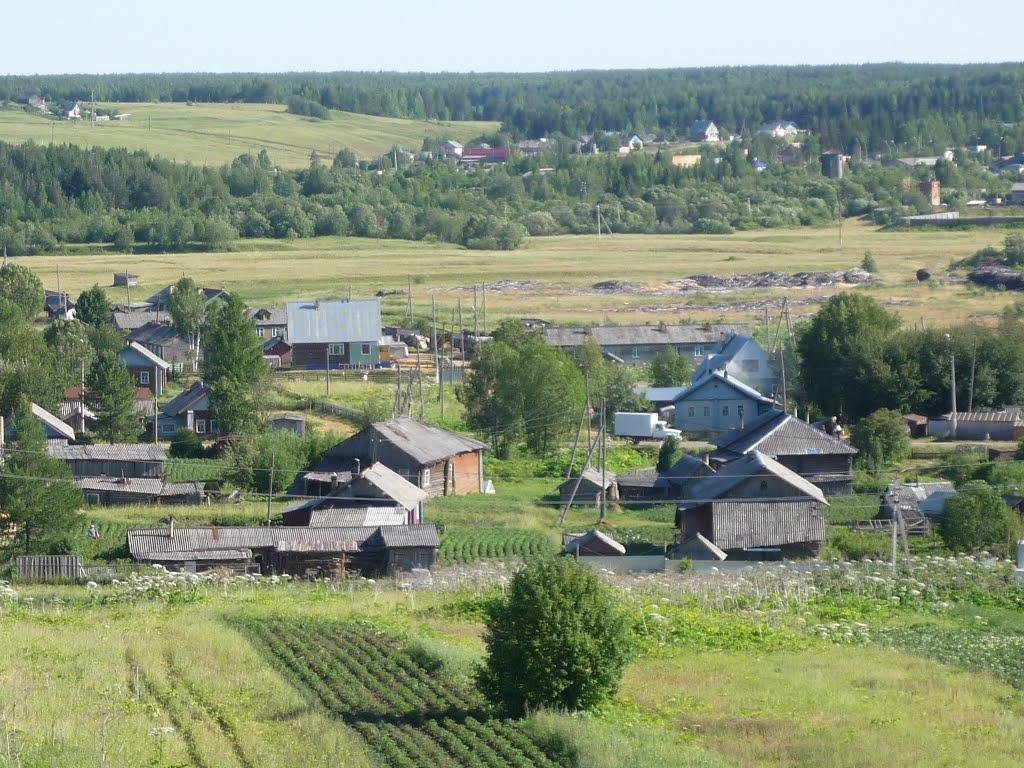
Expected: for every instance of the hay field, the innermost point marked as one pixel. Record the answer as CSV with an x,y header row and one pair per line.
x,y
553,275
215,134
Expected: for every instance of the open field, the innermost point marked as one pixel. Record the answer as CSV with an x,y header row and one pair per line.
x,y
556,273
215,134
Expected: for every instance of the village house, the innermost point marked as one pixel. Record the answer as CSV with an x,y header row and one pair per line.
x,y
704,130
72,110
74,411
146,367
117,460
452,148
210,295
717,403
438,461
375,487
192,409
334,334
162,340
650,486
637,345
270,322
592,488
56,431
128,321
302,551
1017,193
752,503
821,458
33,100
916,502
277,352
744,360
483,155
132,491
780,129
58,305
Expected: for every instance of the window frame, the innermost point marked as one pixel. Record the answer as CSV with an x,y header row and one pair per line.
x,y
143,378
200,426
366,348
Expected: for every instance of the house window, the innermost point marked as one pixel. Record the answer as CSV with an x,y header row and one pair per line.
x,y
92,498
337,349
259,332
725,410
636,353
200,426
698,351
366,348
707,411
426,478
764,485
144,378
168,427
693,411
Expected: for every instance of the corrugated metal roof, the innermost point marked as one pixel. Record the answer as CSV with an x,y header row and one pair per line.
x,y
144,486
1012,415
663,394
399,536
240,555
720,359
424,443
642,335
112,452
329,322
394,486
155,543
776,433
747,466
348,517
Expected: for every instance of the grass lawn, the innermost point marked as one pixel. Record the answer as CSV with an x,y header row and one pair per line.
x,y
215,134
558,272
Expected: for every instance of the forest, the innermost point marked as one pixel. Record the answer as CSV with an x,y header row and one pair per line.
x,y
53,196
852,107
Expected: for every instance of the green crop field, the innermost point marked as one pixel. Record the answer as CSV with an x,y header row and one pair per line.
x,y
215,134
552,276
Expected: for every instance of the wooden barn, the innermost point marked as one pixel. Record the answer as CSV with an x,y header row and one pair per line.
x,y
129,460
591,487
131,491
793,526
440,462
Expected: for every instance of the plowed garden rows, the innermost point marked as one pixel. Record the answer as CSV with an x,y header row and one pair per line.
x,y
409,717
467,545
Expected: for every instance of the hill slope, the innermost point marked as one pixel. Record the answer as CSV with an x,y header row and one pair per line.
x,y
214,134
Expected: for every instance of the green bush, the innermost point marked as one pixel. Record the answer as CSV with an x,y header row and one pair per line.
x,y
978,518
882,438
186,444
559,639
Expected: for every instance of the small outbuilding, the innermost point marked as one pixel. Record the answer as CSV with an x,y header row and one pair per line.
x,y
592,487
592,544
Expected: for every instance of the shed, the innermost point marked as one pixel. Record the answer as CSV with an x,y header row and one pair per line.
x,y
697,547
125,280
117,460
916,423
376,486
733,525
288,422
591,487
595,543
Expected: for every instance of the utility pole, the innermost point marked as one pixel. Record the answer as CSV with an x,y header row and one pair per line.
x,y
598,221
952,388
476,317
483,297
270,489
782,360
327,361
604,463
974,362
419,379
409,303
433,335
440,373
462,334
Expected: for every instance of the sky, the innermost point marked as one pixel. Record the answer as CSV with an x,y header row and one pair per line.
x,y
522,36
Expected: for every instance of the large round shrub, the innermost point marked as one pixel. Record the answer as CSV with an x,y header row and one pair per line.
x,y
558,639
976,517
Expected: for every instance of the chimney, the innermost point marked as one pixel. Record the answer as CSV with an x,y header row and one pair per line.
x,y
334,480
358,467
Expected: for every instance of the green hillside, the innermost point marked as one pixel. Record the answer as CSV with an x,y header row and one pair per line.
x,y
213,134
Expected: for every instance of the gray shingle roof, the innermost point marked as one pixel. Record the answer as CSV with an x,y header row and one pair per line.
x,y
776,433
424,443
640,478
131,321
642,335
183,401
152,357
328,322
768,523
394,486
113,452
275,315
729,381
51,421
399,536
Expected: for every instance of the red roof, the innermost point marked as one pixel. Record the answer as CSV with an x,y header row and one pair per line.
x,y
487,153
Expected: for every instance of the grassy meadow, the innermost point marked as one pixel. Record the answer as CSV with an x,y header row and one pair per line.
x,y
554,275
215,134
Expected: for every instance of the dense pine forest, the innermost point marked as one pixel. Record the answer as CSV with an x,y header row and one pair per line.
x,y
850,107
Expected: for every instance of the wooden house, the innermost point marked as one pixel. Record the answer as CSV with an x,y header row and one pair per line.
x,y
638,344
742,359
128,460
270,322
210,295
735,526
375,486
334,334
704,131
58,305
192,409
299,550
277,352
440,462
823,459
146,367
161,339
591,487
717,403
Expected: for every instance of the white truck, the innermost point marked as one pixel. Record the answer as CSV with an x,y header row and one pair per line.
x,y
643,426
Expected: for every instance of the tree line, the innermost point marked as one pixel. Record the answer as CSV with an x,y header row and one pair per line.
x,y
867,105
60,194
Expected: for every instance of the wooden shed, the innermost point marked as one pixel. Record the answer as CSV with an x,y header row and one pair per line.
x,y
591,487
130,460
795,526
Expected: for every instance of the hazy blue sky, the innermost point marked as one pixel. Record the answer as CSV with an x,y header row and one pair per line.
x,y
526,35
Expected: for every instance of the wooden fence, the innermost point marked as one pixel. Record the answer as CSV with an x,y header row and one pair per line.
x,y
49,568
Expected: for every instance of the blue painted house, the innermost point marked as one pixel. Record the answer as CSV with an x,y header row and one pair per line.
x,y
718,403
743,359
146,367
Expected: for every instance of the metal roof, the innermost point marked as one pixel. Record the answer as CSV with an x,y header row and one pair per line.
x,y
642,335
51,421
111,452
156,333
663,394
750,465
330,322
400,536
575,542
639,478
730,381
424,443
720,359
348,517
152,543
394,486
149,355
186,399
1011,415
776,433
593,476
